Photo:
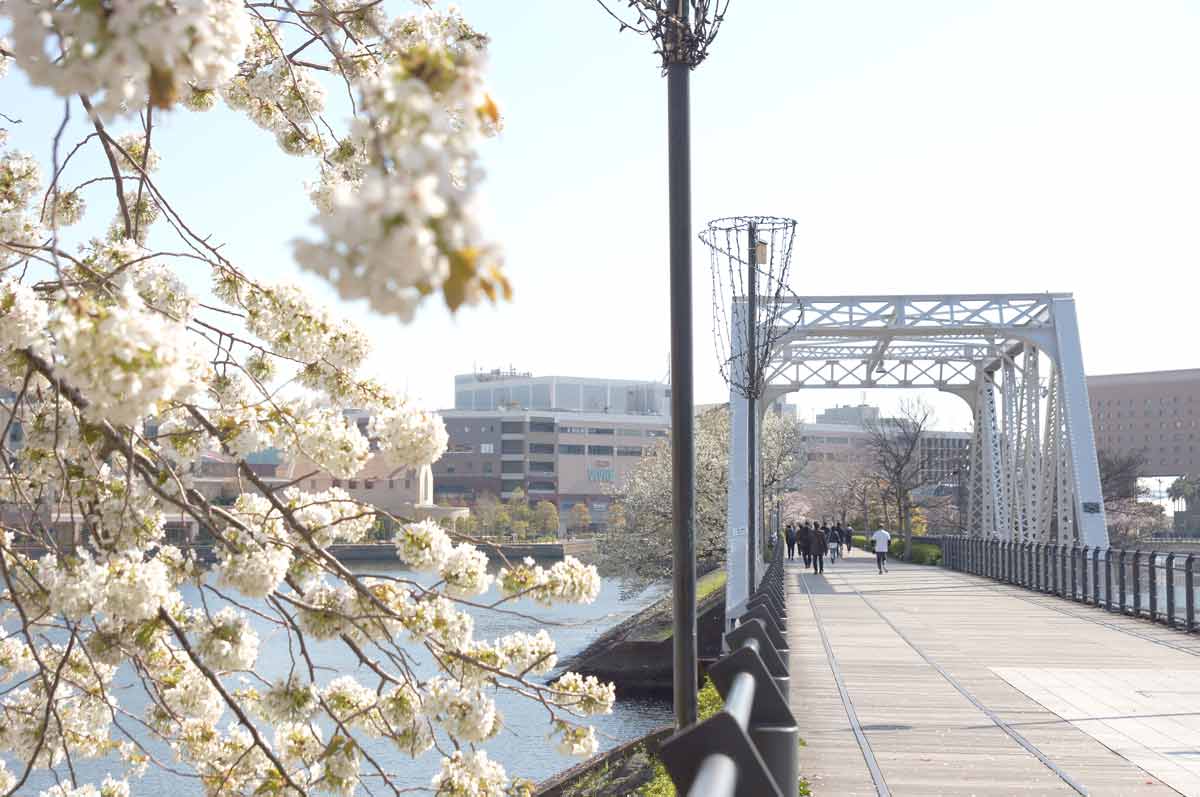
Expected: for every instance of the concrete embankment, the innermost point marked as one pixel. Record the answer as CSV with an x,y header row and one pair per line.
x,y
618,772
636,655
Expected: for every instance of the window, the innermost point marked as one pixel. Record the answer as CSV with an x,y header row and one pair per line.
x,y
656,433
512,446
630,432
629,451
542,487
541,448
391,484
369,484
541,467
461,448
512,427
595,430
600,451
512,467
487,448
564,448
572,430
337,483
541,426
487,467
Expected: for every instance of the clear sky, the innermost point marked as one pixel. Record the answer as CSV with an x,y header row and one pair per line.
x,y
924,147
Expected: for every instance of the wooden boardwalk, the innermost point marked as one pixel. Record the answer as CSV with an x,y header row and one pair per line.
x,y
925,681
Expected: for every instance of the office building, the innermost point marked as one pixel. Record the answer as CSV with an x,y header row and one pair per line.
x,y
1154,413
566,458
514,390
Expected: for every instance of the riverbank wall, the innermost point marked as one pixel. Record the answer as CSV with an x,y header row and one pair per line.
x,y
637,654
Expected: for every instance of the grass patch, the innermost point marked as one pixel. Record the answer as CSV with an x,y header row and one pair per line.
x,y
923,553
708,702
660,626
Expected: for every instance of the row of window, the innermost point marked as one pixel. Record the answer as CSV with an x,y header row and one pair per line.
x,y
367,484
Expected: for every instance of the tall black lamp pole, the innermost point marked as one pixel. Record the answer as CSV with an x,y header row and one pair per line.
x,y
682,410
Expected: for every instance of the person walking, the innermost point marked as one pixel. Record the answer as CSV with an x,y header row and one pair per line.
x,y
790,537
848,533
820,547
835,543
882,541
804,540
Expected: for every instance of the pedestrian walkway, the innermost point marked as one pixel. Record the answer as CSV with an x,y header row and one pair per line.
x,y
925,681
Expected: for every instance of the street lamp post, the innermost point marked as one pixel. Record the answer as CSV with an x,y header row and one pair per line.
x,y
682,403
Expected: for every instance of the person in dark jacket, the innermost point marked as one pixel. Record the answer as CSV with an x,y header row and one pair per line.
x,y
804,540
835,543
818,548
789,535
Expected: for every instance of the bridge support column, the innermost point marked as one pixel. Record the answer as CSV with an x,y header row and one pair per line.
x,y
1080,439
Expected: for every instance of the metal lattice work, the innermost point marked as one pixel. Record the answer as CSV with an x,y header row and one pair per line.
x,y
682,30
1016,360
749,292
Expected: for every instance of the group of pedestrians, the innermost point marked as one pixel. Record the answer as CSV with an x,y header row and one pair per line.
x,y
815,541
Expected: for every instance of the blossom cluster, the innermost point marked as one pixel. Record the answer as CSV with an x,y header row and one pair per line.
x,y
569,581
406,226
20,182
128,360
134,53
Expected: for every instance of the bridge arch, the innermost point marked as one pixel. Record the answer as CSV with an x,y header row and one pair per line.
x,y
1015,359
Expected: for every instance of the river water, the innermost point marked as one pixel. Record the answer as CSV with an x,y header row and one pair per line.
x,y
522,746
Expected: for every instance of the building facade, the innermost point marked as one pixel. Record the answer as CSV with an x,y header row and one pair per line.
x,y
943,455
513,390
1154,413
566,458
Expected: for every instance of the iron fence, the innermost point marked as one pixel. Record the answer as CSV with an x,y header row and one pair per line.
x,y
750,747
1157,586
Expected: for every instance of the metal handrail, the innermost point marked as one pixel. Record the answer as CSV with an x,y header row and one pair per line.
x,y
751,746
1153,585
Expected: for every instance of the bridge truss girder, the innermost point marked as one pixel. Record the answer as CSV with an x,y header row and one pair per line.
x,y
1015,359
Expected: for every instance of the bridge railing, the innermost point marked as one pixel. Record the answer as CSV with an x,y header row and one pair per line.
x,y
1157,586
751,746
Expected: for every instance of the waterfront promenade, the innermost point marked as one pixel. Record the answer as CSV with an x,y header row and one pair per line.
x,y
926,681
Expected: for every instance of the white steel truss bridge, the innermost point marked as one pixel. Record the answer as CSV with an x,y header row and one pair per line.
x,y
1015,359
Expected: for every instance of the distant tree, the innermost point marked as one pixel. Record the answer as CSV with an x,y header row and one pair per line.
x,y
645,496
1183,491
895,446
834,489
617,521
545,518
581,519
1119,475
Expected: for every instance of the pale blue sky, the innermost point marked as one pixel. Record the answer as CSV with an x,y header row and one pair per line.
x,y
960,146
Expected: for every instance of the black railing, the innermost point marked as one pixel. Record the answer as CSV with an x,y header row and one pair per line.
x,y
751,746
1157,586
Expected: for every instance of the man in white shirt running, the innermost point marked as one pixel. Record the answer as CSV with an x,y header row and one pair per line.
x,y
882,541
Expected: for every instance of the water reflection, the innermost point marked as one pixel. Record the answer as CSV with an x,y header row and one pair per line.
x,y
522,746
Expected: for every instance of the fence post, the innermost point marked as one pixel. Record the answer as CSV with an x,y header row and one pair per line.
x,y
1083,574
1072,552
1137,582
1096,577
1108,592
1121,579
1189,589
1045,552
1170,570
1153,585
1063,567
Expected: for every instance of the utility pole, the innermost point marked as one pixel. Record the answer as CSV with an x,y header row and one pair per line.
x,y
752,415
683,475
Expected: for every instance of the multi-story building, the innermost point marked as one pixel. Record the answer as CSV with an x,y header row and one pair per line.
x,y
1154,413
566,458
849,415
943,454
513,390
